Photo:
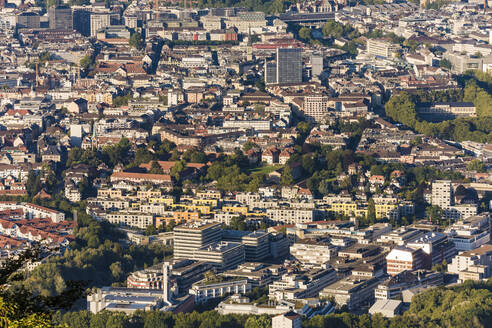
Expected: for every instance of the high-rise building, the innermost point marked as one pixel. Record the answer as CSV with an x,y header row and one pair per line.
x,y
189,238
287,67
60,18
82,21
315,108
442,193
99,21
270,73
316,64
28,20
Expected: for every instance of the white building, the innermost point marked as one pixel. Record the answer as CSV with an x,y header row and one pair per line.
x,y
464,260
204,291
310,251
287,320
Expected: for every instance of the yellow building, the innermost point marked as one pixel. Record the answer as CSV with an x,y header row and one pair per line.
x,y
235,209
203,209
387,211
383,210
178,217
168,201
206,194
109,193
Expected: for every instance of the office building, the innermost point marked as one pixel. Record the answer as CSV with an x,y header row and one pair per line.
x,y
204,291
270,72
381,48
470,233
351,291
82,21
311,251
473,265
28,20
302,284
287,67
393,287
387,308
404,258
316,64
98,21
222,255
191,237
60,18
256,244
400,236
436,247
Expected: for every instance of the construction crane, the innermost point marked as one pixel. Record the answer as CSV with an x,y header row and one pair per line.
x,y
156,9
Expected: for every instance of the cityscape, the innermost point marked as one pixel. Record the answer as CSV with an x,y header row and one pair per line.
x,y
245,163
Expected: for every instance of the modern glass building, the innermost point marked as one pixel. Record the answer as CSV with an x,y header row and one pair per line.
x,y
286,69
60,18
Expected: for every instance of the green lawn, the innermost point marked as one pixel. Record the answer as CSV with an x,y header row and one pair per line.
x,y
265,169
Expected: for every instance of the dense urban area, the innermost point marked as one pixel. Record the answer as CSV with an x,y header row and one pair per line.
x,y
245,163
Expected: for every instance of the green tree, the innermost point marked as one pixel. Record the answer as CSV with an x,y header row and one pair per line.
x,y
305,33
150,230
156,168
371,211
262,321
444,63
136,41
476,165
286,178
116,270
158,319
33,183
85,62
177,169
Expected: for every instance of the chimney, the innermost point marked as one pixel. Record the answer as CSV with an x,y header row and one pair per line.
x,y
37,81
78,73
166,266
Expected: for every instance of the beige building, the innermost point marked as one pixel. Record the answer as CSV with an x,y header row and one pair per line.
x,y
381,48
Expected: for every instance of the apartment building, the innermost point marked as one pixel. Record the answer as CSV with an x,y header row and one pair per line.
x,y
291,215
131,219
315,108
287,320
442,196
442,193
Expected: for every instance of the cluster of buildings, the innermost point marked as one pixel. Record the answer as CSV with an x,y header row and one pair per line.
x,y
225,80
